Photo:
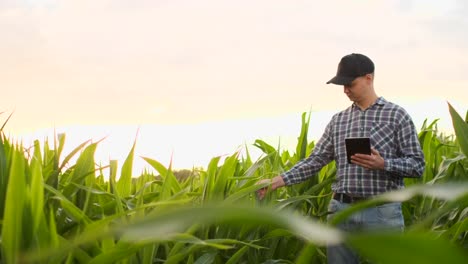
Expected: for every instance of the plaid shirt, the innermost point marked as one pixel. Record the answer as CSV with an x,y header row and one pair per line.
x,y
392,134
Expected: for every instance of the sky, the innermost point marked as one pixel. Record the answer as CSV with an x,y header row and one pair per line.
x,y
191,80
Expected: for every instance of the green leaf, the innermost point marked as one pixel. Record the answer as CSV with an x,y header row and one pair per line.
x,y
226,171
73,153
121,251
449,191
301,148
300,198
461,129
167,223
407,248
206,258
73,211
240,193
170,183
85,165
124,184
12,229
6,121
37,187
4,171
236,257
265,147
209,181
307,254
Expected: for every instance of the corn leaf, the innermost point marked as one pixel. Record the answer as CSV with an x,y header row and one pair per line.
x,y
407,248
461,130
124,184
12,228
37,187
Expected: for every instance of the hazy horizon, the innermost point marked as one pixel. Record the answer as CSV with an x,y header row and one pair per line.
x,y
185,146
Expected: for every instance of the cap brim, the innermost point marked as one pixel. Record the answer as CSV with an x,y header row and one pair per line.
x,y
341,80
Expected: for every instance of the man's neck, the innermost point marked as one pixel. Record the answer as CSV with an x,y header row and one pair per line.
x,y
368,102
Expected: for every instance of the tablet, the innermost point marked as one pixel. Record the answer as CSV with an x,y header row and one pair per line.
x,y
357,145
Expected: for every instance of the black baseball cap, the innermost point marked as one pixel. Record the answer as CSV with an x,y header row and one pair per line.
x,y
350,67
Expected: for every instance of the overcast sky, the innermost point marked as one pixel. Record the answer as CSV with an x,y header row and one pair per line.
x,y
208,67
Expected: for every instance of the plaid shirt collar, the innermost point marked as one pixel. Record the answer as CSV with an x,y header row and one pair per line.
x,y
380,101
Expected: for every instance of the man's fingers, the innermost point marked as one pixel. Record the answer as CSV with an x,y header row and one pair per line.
x,y
375,152
261,193
366,161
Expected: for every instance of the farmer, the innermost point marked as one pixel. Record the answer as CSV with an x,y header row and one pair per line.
x,y
395,154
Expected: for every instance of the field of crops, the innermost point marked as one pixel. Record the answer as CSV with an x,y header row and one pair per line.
x,y
53,211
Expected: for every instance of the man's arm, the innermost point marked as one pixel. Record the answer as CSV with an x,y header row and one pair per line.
x,y
322,155
411,162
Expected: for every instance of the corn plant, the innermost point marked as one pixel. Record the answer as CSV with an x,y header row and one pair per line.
x,y
53,211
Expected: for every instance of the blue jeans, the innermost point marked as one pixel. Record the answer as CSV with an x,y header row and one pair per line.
x,y
387,216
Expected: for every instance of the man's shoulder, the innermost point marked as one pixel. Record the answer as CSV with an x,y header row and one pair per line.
x,y
396,111
388,105
342,113
347,110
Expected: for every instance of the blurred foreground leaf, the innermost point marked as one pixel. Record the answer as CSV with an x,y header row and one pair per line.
x,y
170,225
449,191
407,248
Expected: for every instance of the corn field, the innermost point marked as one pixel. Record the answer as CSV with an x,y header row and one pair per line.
x,y
56,212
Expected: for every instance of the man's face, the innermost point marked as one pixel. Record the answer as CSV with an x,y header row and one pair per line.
x,y
358,89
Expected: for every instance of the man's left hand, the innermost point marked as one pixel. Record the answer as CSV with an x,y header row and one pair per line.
x,y
372,162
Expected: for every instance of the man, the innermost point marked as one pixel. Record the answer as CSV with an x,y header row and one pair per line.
x,y
395,154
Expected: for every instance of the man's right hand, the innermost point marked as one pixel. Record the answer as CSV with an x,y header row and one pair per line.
x,y
263,191
275,183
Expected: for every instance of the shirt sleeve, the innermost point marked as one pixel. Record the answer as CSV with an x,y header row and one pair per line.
x,y
322,154
410,161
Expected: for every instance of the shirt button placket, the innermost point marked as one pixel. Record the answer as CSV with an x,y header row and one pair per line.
x,y
362,123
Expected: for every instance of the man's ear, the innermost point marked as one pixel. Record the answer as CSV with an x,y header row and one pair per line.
x,y
369,77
